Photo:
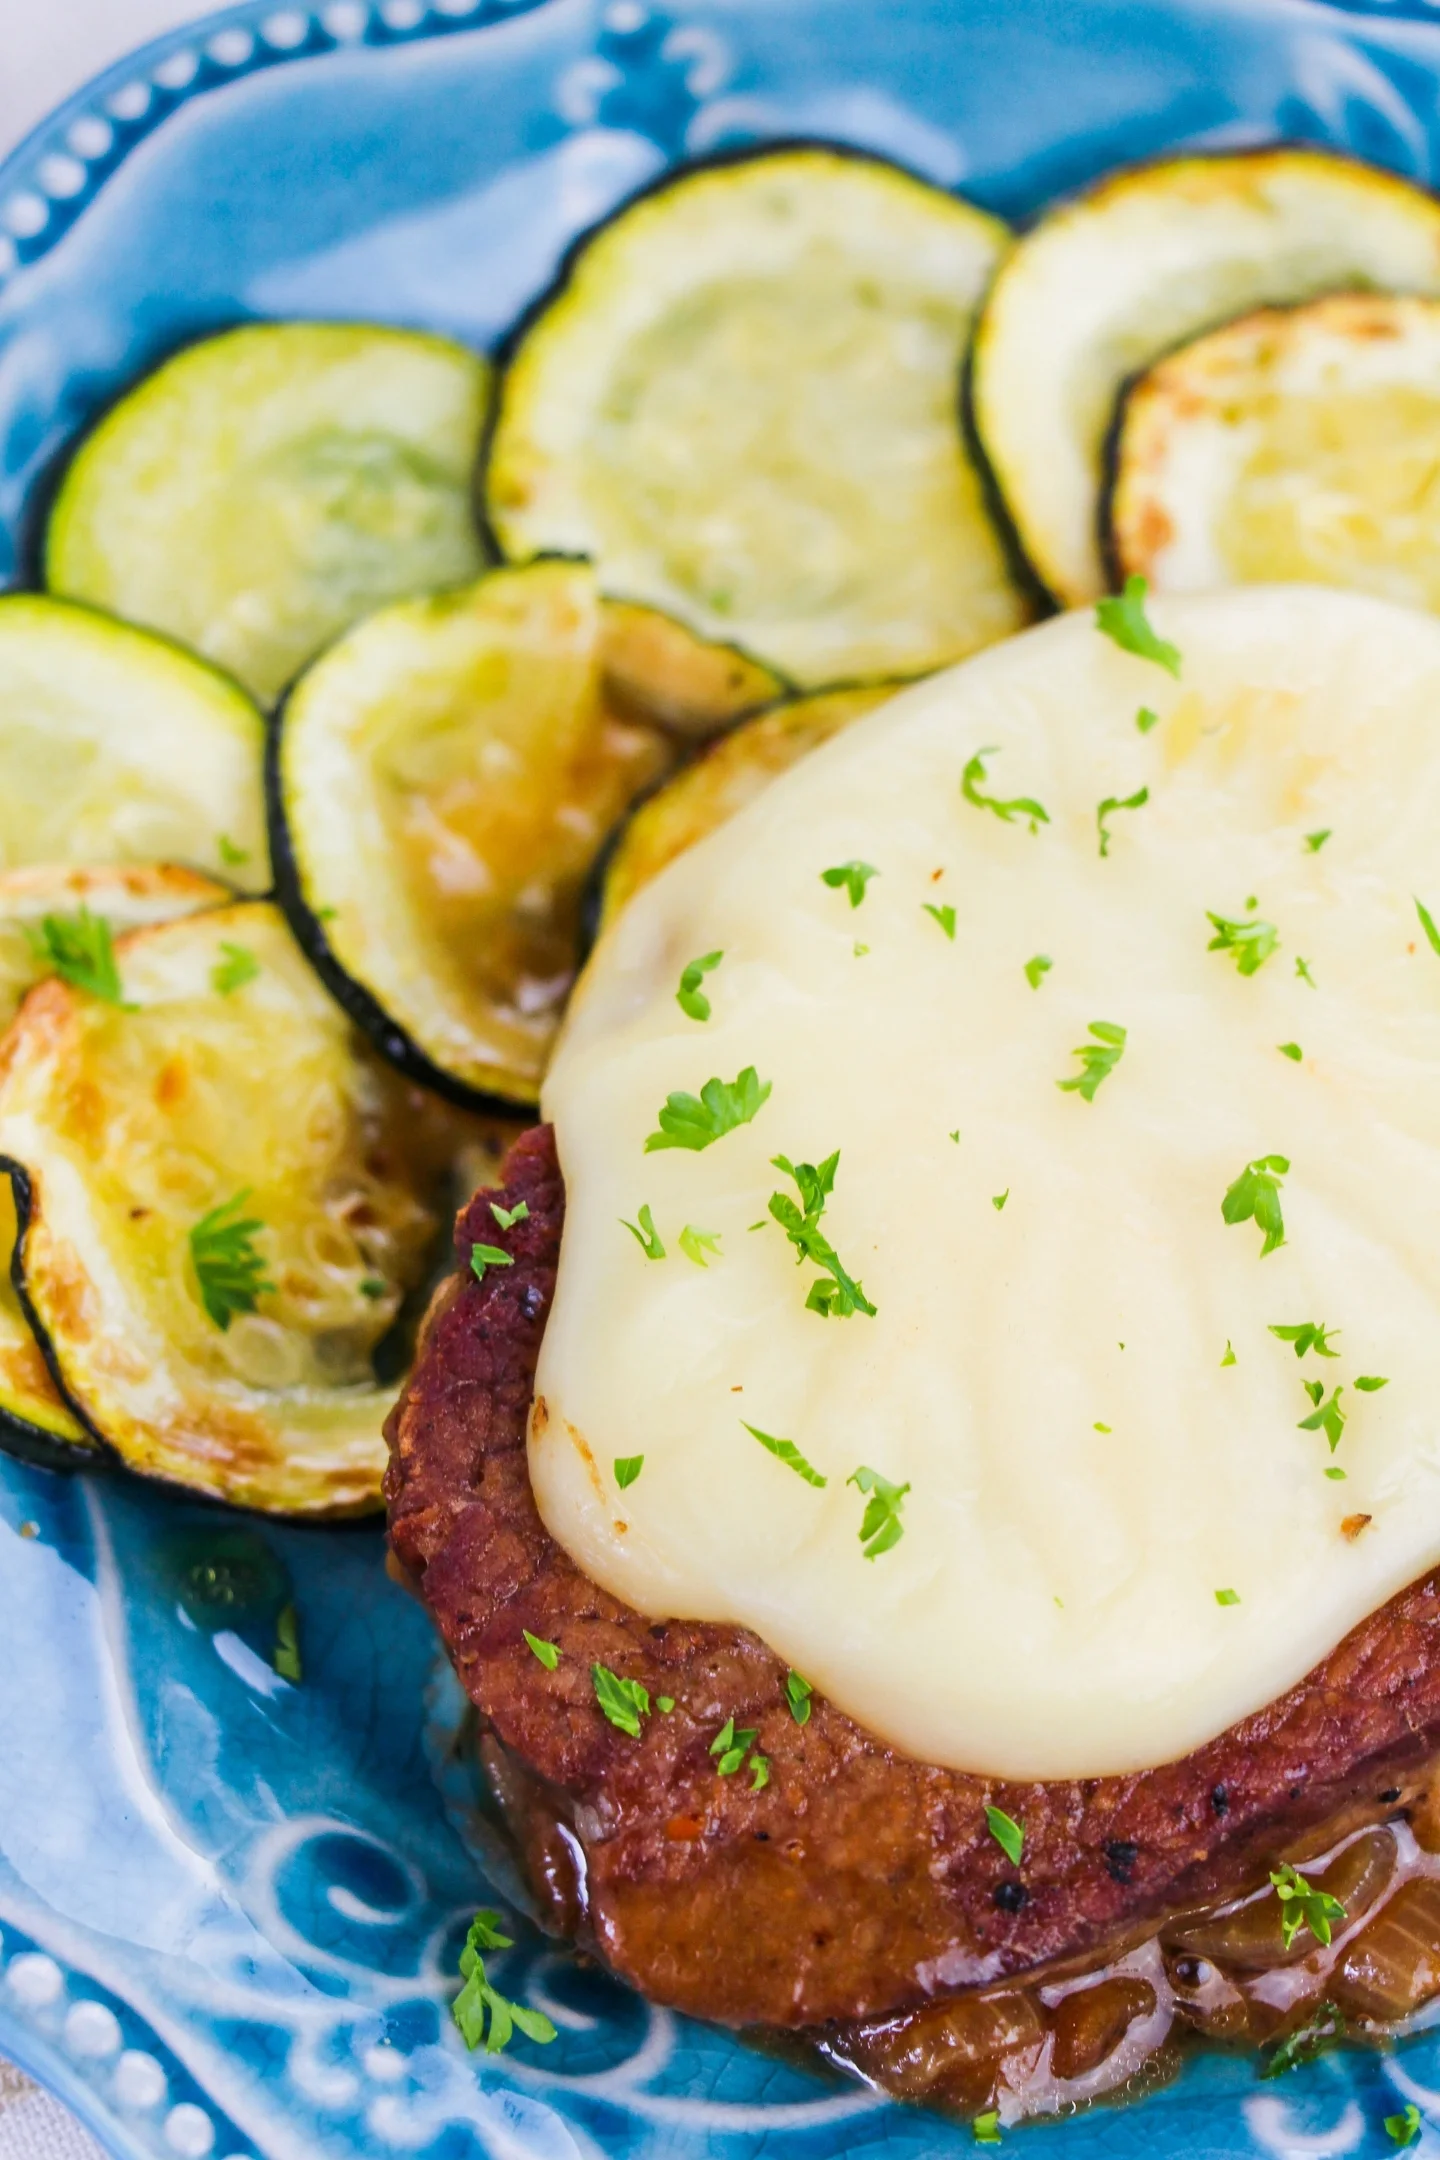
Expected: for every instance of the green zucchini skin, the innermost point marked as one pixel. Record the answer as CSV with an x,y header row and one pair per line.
x,y
18,1437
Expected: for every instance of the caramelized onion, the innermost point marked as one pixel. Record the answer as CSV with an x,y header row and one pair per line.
x,y
1393,1965
953,2053
1093,2021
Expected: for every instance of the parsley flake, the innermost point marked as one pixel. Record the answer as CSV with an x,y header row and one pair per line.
x,y
1309,1335
547,1652
1251,942
1103,810
690,997
1229,1357
646,1236
1037,968
955,1136
842,1295
1008,1834
1302,970
1018,805
999,1199
1098,1427
228,1269
624,1702
479,2010
945,916
1290,1050
759,1772
696,1243
798,1692
786,1451
1303,1907
731,1746
1122,618
696,1121
79,949
230,853
1327,1415
1334,1471
1227,1597
286,1660
881,1526
1316,840
238,967
374,1286
1427,924
507,1217
1255,1195
858,950
986,2127
1145,719
1098,1059
853,877
1323,2032
664,1704
1371,1383
488,1256
627,1469
1404,2128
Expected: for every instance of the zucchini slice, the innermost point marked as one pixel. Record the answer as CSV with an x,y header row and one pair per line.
x,y
1105,283
34,1419
721,780
441,783
658,670
116,747
264,489
742,401
223,1208
1298,444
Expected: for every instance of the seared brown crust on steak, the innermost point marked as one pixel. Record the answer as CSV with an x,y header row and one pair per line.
x,y
858,1882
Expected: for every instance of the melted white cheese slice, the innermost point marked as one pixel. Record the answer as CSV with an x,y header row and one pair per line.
x,y
1085,1471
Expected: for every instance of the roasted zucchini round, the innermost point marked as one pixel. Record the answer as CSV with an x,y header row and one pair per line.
x,y
52,921
441,782
1296,444
725,776
265,488
116,747
224,1204
1105,283
742,401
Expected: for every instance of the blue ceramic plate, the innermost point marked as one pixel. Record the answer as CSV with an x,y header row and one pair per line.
x,y
229,1907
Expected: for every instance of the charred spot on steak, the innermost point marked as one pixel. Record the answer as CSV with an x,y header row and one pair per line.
x,y
1011,1897
1120,1857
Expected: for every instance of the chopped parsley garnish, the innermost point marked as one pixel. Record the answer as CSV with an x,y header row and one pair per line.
x,y
1404,2128
507,1217
786,1451
841,1296
1122,618
229,1270
1022,806
986,2127
798,1692
1334,1471
1327,1415
238,967
999,1199
627,1469
1303,1907
1098,1059
731,1746
759,1772
1371,1383
1309,1335
695,1121
1316,840
547,1652
1227,1597
488,1256
690,997
1427,924
230,852
1145,719
479,2010
79,949
286,1659
646,1236
1037,968
624,1702
1251,942
1302,970
858,950
1290,1050
374,1286
1324,2031
664,1704
696,1243
881,1526
1229,1357
1255,1195
1008,1834
945,916
1098,1427
852,876
1104,810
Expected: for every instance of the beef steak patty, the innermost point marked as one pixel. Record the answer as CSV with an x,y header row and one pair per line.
x,y
857,1882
